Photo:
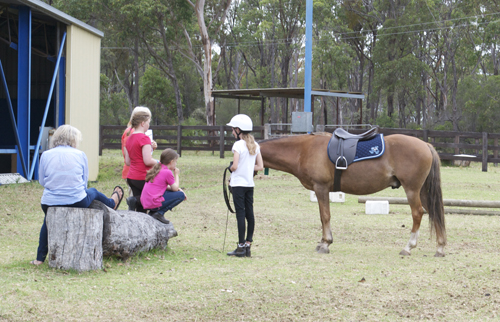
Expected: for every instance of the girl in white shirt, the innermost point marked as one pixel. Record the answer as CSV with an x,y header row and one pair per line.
x,y
246,160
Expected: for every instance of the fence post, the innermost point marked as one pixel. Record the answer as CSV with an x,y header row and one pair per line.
x,y
221,141
100,140
457,141
179,139
485,152
426,135
495,153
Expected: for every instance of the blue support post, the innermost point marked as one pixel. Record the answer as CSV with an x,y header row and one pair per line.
x,y
308,59
61,110
24,88
52,84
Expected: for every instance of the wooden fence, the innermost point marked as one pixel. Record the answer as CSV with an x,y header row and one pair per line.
x,y
179,137
464,146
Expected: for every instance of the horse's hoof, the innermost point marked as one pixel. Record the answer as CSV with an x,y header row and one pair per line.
x,y
404,253
438,254
322,249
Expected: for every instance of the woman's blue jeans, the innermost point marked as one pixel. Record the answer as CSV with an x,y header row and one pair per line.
x,y
92,194
172,199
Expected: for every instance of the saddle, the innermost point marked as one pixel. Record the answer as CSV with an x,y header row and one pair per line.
x,y
342,150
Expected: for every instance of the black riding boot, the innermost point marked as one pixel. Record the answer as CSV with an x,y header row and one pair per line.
x,y
160,217
248,253
240,251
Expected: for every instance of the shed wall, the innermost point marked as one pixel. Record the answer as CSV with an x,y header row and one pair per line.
x,y
82,91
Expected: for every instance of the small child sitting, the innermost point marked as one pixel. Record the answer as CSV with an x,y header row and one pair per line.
x,y
161,191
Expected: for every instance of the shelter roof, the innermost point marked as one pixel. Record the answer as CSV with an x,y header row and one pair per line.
x,y
293,92
41,10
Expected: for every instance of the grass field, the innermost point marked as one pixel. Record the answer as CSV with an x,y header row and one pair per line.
x,y
362,279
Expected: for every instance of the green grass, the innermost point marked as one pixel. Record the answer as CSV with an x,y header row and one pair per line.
x,y
285,280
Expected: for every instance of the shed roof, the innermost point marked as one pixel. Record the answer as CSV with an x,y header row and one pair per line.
x,y
292,92
42,10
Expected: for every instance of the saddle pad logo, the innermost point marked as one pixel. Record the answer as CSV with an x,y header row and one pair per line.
x,y
370,149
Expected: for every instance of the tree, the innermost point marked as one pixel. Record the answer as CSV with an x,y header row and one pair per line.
x,y
217,15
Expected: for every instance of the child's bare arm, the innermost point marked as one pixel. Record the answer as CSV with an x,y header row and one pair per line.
x,y
175,186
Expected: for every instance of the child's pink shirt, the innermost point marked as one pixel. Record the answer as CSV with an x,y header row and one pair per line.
x,y
152,194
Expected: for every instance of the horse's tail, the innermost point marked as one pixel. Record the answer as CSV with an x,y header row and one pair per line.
x,y
435,207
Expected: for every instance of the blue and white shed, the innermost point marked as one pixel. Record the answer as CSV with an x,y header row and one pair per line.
x,y
49,76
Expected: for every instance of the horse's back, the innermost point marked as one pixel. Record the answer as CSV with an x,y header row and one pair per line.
x,y
405,146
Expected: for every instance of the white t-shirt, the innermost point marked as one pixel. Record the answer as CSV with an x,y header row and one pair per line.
x,y
243,176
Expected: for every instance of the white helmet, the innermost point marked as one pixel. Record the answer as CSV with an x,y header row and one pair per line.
x,y
241,121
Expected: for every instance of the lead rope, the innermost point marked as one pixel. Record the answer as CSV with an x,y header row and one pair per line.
x,y
225,231
227,197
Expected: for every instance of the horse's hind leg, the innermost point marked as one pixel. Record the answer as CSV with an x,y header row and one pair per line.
x,y
416,212
324,210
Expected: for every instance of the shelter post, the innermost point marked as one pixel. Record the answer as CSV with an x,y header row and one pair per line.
x,y
24,88
262,102
360,112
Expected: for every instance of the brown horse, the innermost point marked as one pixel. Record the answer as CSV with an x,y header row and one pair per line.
x,y
407,162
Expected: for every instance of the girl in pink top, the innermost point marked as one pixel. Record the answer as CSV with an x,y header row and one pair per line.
x,y
161,191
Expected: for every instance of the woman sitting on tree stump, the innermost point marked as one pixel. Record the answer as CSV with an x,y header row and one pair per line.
x,y
63,172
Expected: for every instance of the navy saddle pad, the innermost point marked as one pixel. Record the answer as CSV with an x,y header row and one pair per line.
x,y
356,150
370,149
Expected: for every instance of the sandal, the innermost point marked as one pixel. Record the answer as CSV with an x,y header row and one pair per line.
x,y
120,197
36,262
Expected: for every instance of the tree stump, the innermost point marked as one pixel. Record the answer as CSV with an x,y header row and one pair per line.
x,y
75,238
126,233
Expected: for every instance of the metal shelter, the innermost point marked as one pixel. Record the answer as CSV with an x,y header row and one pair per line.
x,y
260,94
37,46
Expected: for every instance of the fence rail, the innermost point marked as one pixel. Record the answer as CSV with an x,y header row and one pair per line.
x,y
462,146
179,137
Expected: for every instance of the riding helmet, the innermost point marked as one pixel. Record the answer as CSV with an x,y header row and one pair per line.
x,y
241,121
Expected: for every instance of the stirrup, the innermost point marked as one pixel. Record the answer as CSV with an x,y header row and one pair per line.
x,y
341,158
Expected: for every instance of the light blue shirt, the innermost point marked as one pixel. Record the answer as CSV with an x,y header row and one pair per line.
x,y
63,172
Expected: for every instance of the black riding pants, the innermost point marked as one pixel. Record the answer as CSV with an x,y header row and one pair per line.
x,y
137,186
243,204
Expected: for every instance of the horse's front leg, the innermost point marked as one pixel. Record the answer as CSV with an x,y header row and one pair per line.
x,y
324,211
416,212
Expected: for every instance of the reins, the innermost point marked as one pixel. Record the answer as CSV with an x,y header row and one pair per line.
x,y
226,191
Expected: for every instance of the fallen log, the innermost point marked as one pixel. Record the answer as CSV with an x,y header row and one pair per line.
x,y
126,233
75,238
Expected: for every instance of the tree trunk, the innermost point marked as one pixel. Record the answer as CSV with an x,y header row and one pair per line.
x,y
127,233
170,70
135,95
207,62
75,238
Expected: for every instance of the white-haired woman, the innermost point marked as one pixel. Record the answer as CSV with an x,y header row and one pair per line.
x,y
63,172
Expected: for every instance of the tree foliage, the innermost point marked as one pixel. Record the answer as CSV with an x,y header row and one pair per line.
x,y
420,63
